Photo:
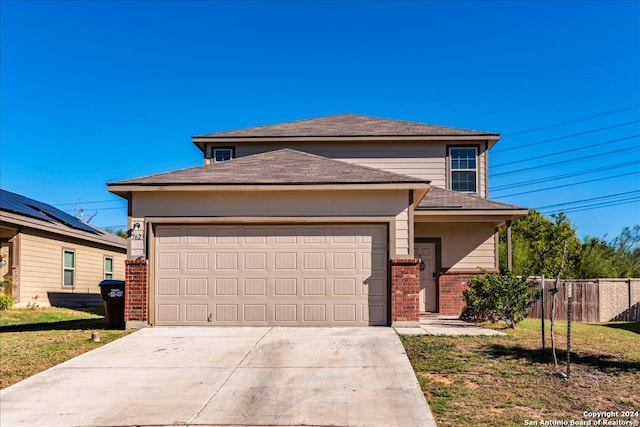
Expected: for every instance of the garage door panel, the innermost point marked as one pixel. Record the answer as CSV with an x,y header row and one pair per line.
x,y
286,313
196,312
226,286
255,287
260,275
196,287
226,313
344,313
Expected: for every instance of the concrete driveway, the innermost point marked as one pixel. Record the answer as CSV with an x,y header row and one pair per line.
x,y
228,376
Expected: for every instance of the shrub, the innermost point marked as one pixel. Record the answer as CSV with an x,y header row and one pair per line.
x,y
6,302
7,285
494,297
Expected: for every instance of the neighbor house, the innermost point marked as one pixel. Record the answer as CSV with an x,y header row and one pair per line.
x,y
338,220
52,257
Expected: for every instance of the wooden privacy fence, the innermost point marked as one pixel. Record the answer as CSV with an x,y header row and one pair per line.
x,y
597,300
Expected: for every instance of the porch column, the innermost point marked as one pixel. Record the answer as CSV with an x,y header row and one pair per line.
x,y
509,255
136,295
405,292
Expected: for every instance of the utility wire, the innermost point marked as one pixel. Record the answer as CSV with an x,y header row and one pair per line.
x,y
569,185
576,120
591,199
595,206
80,202
501,150
564,162
567,175
557,153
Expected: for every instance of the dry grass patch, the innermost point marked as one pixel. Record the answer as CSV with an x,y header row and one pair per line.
x,y
503,381
32,340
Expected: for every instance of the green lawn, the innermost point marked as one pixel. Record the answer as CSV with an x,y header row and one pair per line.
x,y
502,381
32,340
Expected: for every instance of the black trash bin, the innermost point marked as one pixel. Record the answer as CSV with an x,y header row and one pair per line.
x,y
112,292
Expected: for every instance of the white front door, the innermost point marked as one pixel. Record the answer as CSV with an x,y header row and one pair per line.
x,y
428,295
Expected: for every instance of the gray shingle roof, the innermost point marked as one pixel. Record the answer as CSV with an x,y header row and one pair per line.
x,y
285,166
441,199
346,125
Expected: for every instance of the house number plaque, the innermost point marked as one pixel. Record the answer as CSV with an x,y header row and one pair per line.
x,y
136,237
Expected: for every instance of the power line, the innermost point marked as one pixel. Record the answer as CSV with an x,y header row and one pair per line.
x,y
564,162
570,185
591,199
99,209
567,175
501,150
576,120
585,147
595,206
88,203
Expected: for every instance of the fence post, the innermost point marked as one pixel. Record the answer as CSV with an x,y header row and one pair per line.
x,y
542,316
569,300
629,317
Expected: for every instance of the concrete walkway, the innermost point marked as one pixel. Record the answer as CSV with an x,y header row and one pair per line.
x,y
447,326
219,376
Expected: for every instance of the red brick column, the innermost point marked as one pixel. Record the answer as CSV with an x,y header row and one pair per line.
x,y
136,293
451,285
405,292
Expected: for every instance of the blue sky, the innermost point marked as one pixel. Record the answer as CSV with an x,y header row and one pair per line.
x,y
97,91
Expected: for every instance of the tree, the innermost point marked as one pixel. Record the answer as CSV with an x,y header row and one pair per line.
x,y
597,259
539,242
627,247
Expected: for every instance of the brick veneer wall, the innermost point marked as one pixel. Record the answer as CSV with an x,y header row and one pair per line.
x,y
15,278
136,291
405,292
451,284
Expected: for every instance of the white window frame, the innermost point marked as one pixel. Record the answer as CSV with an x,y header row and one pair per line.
x,y
452,170
216,150
106,272
72,269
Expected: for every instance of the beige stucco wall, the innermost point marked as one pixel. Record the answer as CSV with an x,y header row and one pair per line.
x,y
41,267
614,297
424,160
388,205
465,246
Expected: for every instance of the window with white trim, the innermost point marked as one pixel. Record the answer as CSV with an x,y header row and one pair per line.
x,y
463,169
222,154
68,268
108,268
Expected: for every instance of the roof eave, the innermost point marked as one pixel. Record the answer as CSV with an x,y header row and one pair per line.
x,y
201,140
10,218
468,215
124,189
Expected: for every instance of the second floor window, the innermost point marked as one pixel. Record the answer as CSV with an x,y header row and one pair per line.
x,y
463,169
108,268
222,154
68,268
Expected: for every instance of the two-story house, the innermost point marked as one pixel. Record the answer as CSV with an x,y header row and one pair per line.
x,y
338,220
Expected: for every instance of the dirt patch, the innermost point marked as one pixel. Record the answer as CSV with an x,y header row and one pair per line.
x,y
505,381
436,378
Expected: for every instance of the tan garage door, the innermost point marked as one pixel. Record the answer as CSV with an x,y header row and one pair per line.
x,y
271,275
